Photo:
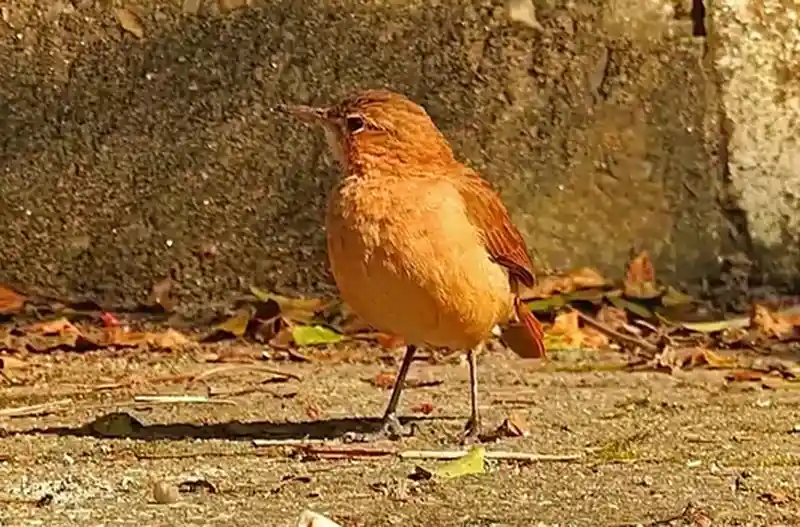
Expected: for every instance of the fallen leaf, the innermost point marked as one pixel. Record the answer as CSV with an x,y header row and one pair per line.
x,y
672,298
743,376
314,335
675,359
640,278
567,333
383,380
772,324
130,22
510,427
424,408
236,326
630,306
169,339
582,278
714,326
613,317
57,327
471,463
303,310
11,302
777,497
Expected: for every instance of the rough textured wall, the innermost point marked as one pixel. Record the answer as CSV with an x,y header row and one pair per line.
x,y
125,160
756,45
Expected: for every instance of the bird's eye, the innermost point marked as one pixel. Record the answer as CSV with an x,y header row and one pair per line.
x,y
354,123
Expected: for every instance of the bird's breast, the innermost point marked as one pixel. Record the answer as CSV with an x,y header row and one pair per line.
x,y
409,262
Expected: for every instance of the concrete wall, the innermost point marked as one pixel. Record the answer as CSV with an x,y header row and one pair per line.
x,y
607,126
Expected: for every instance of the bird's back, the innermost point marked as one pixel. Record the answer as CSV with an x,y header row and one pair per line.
x,y
409,260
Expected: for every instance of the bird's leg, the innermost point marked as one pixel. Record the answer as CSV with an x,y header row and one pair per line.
x,y
390,424
473,427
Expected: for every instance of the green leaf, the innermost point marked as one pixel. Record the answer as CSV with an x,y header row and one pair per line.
x,y
715,326
311,335
637,309
672,297
544,305
237,324
471,463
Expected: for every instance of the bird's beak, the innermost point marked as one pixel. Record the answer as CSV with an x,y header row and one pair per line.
x,y
307,114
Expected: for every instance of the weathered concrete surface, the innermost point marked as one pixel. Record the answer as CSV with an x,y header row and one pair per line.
x,y
756,45
127,160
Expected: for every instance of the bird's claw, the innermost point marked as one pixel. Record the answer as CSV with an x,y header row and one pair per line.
x,y
472,431
391,429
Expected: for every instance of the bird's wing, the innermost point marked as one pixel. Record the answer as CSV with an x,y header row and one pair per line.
x,y
503,241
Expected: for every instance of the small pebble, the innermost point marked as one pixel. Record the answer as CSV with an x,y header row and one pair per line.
x,y
164,493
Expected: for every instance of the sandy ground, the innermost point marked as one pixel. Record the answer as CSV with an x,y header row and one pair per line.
x,y
650,444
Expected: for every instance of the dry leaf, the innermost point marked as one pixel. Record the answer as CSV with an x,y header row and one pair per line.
x,y
56,327
675,359
613,317
424,408
777,497
567,332
772,324
510,427
10,301
383,380
640,278
129,21
743,376
583,278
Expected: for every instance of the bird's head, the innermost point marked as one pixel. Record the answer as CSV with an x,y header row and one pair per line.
x,y
378,125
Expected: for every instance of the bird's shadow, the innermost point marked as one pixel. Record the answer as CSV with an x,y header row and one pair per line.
x,y
123,425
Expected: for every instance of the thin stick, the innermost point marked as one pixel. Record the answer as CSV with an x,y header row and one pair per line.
x,y
288,442
510,456
235,367
172,399
22,411
616,335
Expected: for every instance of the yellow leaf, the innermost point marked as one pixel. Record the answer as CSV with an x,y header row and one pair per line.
x,y
237,324
471,463
311,335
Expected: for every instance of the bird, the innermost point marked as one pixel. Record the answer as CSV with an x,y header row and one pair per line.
x,y
420,246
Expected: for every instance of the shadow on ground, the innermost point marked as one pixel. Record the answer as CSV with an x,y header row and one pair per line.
x,y
123,425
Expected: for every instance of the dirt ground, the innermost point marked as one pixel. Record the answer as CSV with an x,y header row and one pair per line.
x,y
650,444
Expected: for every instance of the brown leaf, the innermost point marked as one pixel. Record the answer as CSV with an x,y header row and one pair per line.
x,y
424,408
582,278
230,5
129,21
11,302
771,324
567,332
613,317
58,326
383,380
640,278
675,359
777,497
743,376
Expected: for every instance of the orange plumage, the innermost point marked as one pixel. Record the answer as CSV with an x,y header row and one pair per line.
x,y
420,246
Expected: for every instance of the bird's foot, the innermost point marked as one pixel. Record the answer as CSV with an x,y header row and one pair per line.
x,y
391,429
472,431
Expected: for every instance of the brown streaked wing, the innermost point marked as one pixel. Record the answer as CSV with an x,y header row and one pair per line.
x,y
504,242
